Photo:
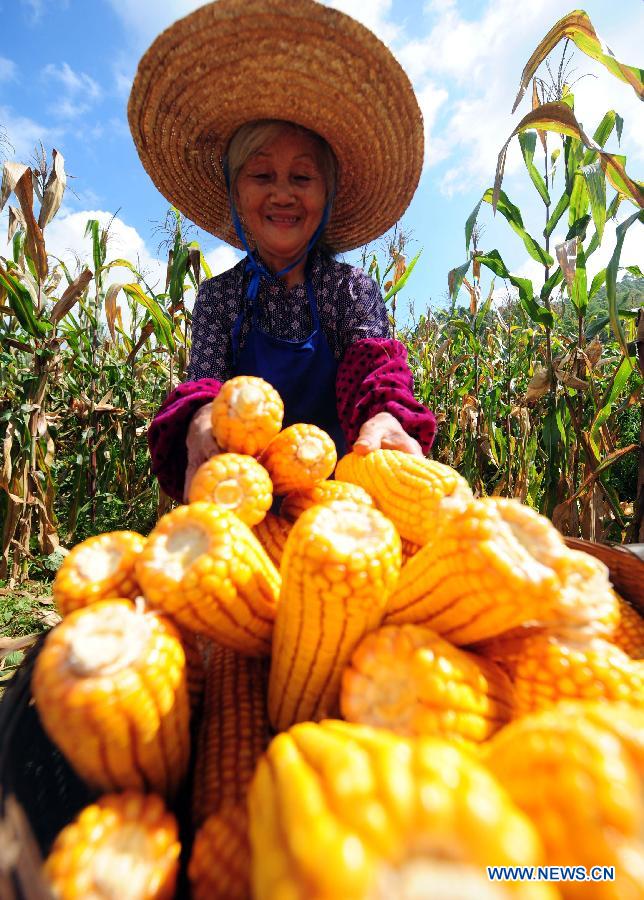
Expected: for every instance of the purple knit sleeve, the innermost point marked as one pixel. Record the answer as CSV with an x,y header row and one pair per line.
x,y
169,428
374,377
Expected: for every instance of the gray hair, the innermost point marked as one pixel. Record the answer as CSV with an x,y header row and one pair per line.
x,y
252,136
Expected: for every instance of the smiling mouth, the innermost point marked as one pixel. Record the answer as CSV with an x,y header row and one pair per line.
x,y
283,220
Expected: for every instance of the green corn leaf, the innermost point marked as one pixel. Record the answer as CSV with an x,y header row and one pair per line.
x,y
619,126
635,270
22,305
455,279
596,284
579,199
578,228
159,317
93,230
608,400
402,281
601,135
492,260
579,293
469,225
512,215
596,188
554,281
559,210
528,143
206,268
611,280
526,297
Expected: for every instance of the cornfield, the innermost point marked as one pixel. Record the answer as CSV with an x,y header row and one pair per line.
x,y
536,388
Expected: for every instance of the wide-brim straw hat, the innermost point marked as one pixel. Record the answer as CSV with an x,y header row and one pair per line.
x,y
236,61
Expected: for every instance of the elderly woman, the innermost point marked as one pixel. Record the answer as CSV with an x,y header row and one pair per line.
x,y
315,328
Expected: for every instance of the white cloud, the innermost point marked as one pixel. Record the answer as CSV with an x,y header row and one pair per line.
x,y
65,238
24,134
221,258
8,69
431,99
75,83
373,14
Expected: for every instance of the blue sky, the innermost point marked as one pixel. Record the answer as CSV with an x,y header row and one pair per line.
x,y
66,67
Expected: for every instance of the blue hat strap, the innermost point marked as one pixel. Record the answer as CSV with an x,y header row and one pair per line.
x,y
258,271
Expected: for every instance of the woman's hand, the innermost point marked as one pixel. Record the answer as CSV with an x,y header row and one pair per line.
x,y
200,444
384,432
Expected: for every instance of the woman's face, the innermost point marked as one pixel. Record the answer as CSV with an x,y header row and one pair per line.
x,y
280,194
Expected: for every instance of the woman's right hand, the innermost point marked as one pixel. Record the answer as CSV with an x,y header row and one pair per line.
x,y
200,444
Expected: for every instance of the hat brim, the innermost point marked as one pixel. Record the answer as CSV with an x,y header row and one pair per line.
x,y
236,61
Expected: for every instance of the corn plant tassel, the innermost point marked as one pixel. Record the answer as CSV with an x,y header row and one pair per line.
x,y
415,493
247,413
299,457
496,565
233,733
124,845
577,771
235,482
207,570
340,564
220,863
110,689
98,568
409,680
345,811
294,504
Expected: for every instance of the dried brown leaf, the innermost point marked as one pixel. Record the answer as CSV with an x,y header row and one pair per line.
x,y
111,308
16,221
54,190
35,243
70,296
567,259
539,384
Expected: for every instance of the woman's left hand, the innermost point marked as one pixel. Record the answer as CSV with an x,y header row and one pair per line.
x,y
384,432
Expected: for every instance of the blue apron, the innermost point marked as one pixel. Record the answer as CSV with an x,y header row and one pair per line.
x,y
302,372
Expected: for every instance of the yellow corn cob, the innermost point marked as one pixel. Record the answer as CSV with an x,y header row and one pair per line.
x,y
294,504
345,811
194,647
628,631
247,413
546,667
299,457
339,565
575,778
206,569
220,862
272,532
409,680
415,493
124,845
97,569
235,482
110,689
493,566
409,549
233,731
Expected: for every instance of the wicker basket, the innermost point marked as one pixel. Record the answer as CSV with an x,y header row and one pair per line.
x,y
40,794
